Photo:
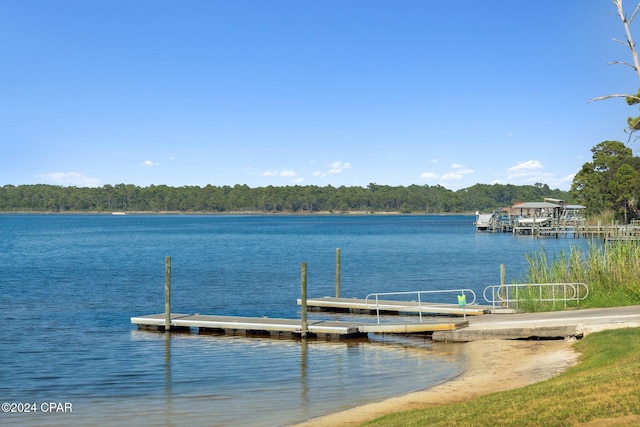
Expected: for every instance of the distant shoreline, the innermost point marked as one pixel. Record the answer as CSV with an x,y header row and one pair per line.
x,y
239,213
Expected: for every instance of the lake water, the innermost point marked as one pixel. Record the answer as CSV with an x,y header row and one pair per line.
x,y
69,285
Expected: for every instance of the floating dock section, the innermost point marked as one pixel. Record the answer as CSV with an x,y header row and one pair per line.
x,y
274,327
361,306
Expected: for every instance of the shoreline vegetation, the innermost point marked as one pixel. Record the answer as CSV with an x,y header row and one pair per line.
x,y
416,199
525,383
612,272
535,383
240,213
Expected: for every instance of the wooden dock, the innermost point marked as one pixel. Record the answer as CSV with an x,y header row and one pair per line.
x,y
274,327
611,232
355,305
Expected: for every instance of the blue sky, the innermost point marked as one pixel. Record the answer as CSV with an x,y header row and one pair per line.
x,y
332,92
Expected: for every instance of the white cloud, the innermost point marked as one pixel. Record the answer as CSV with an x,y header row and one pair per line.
x,y
75,179
457,172
532,172
282,173
287,172
334,168
149,163
528,172
338,167
428,176
525,167
449,176
461,170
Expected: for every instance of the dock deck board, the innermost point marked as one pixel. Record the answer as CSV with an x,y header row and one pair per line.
x,y
390,306
277,326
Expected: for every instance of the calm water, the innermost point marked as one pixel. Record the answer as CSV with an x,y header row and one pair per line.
x,y
69,285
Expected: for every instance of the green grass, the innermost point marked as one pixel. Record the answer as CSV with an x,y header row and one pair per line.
x,y
604,384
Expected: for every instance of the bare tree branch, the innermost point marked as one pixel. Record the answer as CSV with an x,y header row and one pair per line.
x,y
620,63
615,95
626,23
630,44
635,12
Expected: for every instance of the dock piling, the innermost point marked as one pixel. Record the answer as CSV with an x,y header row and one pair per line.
x,y
337,272
303,298
167,295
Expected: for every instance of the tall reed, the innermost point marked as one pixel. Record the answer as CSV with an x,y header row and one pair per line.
x,y
611,271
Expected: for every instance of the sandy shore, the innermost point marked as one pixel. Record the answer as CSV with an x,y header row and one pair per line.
x,y
492,366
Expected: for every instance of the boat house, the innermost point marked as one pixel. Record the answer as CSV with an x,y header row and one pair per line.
x,y
549,217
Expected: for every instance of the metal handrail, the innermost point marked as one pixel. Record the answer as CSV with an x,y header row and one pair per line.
x,y
567,292
418,294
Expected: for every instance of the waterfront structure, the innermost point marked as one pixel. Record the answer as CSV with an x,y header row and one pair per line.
x,y
551,217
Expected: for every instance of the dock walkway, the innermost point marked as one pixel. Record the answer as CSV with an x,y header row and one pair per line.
x,y
609,232
274,327
356,305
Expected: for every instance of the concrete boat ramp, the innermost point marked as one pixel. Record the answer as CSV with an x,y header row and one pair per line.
x,y
549,325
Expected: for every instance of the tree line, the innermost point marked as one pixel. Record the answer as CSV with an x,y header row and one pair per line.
x,y
423,199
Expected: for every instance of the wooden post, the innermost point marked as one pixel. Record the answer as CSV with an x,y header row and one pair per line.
x,y
167,295
503,279
337,272
303,298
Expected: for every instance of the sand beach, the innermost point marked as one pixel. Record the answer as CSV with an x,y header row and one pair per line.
x,y
492,366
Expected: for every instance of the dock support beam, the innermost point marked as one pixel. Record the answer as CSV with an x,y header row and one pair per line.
x,y
167,294
303,298
337,272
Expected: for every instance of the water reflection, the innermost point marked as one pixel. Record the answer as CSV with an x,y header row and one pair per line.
x,y
237,380
168,380
304,383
